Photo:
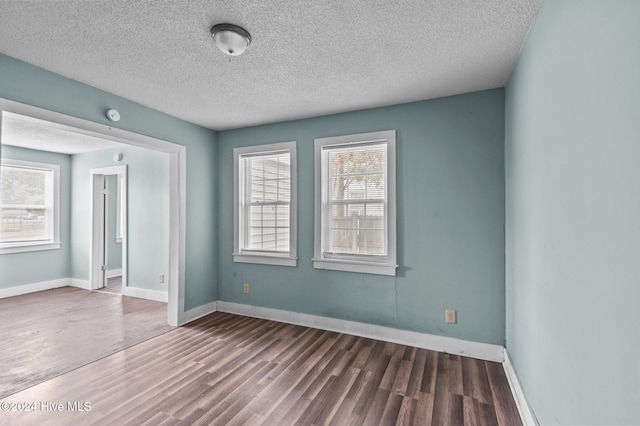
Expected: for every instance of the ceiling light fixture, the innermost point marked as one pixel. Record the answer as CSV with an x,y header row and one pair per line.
x,y
231,39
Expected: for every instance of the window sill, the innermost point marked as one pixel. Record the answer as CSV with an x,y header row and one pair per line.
x,y
355,266
264,259
21,248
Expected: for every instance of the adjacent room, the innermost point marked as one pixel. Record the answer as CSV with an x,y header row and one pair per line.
x,y
416,212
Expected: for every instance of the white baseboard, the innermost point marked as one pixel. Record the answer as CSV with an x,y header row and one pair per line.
x,y
450,345
83,284
33,287
114,273
523,407
143,293
199,312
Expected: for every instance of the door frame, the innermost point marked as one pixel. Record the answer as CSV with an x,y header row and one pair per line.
x,y
177,187
98,222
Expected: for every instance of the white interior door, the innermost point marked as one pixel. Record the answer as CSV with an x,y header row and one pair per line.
x,y
99,231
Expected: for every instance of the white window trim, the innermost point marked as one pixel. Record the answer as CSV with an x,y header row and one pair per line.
x,y
354,263
22,246
287,259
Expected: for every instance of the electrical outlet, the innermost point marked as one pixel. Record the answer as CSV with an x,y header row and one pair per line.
x,y
450,316
245,289
161,278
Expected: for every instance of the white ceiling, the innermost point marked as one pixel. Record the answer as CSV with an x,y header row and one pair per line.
x,y
307,58
32,133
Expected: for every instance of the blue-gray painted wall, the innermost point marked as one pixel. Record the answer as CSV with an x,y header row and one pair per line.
x,y
35,86
450,221
573,210
47,265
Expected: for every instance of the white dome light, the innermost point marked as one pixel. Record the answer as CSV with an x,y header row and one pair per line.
x,y
231,39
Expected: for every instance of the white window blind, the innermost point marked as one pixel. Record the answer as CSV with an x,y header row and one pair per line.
x,y
266,203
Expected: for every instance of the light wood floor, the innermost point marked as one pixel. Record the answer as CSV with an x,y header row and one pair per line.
x,y
51,332
114,285
227,369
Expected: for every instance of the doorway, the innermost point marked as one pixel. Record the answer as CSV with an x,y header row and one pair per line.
x,y
177,186
102,233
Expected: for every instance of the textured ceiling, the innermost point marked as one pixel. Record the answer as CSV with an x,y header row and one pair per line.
x,y
308,58
27,132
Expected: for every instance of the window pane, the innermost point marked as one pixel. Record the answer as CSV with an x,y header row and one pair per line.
x,y
269,239
338,218
338,187
375,186
23,225
256,165
268,216
338,162
338,241
282,240
374,241
270,190
24,186
284,166
255,216
255,238
375,159
270,167
353,242
284,190
375,216
257,191
282,218
357,161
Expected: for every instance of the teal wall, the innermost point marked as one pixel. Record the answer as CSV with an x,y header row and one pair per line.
x,y
450,208
114,248
31,85
36,266
147,215
572,213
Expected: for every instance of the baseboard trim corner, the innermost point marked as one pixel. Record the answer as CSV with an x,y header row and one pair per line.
x,y
485,351
83,284
198,312
516,390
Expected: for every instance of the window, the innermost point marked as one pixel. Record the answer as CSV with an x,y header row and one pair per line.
x,y
355,215
265,204
29,206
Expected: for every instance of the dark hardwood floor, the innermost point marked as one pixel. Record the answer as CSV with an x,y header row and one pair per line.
x,y
51,332
230,370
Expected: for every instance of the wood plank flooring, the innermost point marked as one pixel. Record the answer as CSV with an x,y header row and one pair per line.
x,y
51,332
230,370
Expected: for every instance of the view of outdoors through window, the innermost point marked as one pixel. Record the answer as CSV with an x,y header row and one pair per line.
x,y
26,204
356,201
267,198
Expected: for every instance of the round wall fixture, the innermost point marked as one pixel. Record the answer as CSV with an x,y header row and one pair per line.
x,y
113,115
231,39
117,157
